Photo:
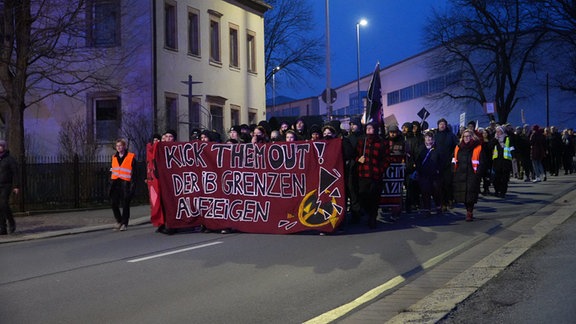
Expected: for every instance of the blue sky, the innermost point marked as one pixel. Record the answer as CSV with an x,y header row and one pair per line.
x,y
394,32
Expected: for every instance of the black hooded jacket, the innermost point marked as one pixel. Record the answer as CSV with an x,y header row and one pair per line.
x,y
8,171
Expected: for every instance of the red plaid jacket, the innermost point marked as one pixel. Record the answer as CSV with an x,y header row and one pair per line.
x,y
376,153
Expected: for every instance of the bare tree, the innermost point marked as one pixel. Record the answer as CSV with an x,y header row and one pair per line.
x,y
289,43
136,129
74,140
45,47
561,20
488,45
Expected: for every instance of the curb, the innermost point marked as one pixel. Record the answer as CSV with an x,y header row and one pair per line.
x,y
69,231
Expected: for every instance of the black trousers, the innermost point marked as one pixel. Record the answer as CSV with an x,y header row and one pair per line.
x,y
5,211
369,198
120,198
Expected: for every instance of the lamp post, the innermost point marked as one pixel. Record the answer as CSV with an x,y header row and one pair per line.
x,y
362,22
328,85
276,69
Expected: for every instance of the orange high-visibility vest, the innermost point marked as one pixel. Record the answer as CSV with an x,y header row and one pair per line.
x,y
123,171
475,157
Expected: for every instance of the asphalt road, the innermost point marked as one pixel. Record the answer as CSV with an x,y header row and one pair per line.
x,y
140,276
240,277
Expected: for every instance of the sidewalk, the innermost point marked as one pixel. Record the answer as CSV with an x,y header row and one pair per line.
x,y
72,222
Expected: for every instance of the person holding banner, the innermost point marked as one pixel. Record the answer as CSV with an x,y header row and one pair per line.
x,y
372,162
301,129
355,135
157,216
259,135
468,165
122,183
290,136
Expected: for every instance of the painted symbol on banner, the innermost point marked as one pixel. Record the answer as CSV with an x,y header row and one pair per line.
x,y
286,224
319,146
319,207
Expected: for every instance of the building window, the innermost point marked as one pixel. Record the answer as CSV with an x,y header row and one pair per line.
x,y
393,98
234,46
194,114
437,85
453,78
406,94
170,23
171,104
107,113
217,118
252,116
421,89
193,32
104,23
234,115
251,51
215,39
356,103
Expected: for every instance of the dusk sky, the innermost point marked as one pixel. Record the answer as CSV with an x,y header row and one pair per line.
x,y
394,32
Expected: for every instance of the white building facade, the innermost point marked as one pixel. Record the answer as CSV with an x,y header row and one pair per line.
x,y
218,44
408,86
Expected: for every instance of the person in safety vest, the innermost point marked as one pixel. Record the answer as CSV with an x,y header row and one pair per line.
x,y
502,161
122,183
468,164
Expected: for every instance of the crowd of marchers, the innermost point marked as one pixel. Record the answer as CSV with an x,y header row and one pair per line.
x,y
443,167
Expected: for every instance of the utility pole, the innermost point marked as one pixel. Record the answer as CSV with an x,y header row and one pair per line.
x,y
190,94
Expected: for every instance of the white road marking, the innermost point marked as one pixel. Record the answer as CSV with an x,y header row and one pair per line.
x,y
173,252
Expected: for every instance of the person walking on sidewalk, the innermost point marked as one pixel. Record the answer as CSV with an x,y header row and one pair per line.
x,y
502,161
468,163
538,153
8,184
122,184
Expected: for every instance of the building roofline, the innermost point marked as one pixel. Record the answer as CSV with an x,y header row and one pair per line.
x,y
258,5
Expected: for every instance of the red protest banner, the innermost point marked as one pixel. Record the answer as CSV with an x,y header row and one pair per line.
x,y
275,188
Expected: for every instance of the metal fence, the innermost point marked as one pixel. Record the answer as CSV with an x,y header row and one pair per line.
x,y
53,183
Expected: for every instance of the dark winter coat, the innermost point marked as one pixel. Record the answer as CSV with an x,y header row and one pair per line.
x,y
446,141
568,145
466,182
412,145
8,171
522,147
537,146
429,165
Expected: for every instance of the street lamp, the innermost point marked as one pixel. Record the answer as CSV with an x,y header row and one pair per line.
x,y
362,22
328,85
276,69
